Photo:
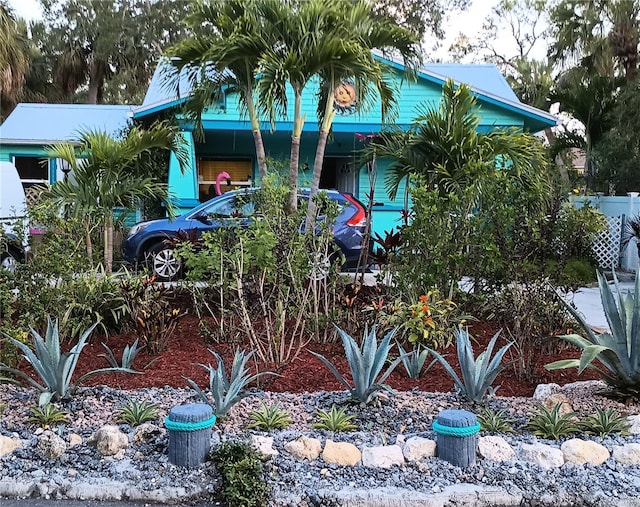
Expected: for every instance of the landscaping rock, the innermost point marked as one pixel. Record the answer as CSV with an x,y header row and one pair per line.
x,y
264,445
581,452
543,455
341,453
628,454
304,448
634,424
417,448
543,391
8,444
551,401
109,440
74,439
147,432
51,445
382,456
495,448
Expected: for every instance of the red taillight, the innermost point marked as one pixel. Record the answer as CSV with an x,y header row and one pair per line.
x,y
360,217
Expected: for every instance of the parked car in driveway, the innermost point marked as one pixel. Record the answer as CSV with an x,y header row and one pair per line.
x,y
12,210
150,242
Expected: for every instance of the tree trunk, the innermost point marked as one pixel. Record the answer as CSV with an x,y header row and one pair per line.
x,y
298,124
315,178
257,134
97,73
88,241
108,244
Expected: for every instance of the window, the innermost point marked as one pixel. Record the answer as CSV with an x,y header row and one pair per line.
x,y
208,171
32,170
232,207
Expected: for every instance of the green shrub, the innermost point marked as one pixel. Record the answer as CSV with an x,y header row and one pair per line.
x,y
242,475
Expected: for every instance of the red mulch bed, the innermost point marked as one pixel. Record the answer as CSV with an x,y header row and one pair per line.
x,y
307,373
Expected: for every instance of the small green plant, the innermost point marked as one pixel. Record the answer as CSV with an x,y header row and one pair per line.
x,y
128,355
413,361
605,422
365,363
47,415
226,391
269,418
135,413
551,425
495,421
242,475
334,420
618,351
426,322
152,316
54,367
477,374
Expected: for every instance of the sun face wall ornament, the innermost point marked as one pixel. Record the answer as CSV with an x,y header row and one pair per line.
x,y
345,98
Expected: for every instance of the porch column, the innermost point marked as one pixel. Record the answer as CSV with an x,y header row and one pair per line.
x,y
183,187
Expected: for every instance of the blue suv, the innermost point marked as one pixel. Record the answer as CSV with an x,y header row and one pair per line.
x,y
150,242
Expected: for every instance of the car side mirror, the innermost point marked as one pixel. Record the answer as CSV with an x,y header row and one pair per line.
x,y
202,217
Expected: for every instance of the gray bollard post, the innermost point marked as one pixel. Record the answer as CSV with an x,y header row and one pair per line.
x,y
457,436
189,433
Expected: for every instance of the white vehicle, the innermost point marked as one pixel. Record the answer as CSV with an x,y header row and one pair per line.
x,y
12,209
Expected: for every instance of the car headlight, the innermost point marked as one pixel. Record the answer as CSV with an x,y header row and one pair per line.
x,y
136,229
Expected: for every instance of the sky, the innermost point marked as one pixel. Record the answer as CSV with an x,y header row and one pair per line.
x,y
468,22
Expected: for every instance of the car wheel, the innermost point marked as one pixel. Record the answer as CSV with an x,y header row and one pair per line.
x,y
8,261
321,265
163,263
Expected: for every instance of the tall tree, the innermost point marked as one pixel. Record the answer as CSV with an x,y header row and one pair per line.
x,y
108,48
223,54
597,34
15,58
424,17
108,173
349,61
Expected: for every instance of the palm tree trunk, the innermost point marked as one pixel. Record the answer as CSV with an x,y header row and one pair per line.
x,y
88,242
257,135
108,243
298,123
329,115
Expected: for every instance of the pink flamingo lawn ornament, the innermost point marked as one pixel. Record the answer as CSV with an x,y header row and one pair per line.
x,y
222,176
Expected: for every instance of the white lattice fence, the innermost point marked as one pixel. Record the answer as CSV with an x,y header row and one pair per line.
x,y
606,247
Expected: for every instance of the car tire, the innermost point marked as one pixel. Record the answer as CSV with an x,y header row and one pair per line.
x,y
163,263
9,260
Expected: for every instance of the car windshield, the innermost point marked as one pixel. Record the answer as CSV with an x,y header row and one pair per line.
x,y
234,206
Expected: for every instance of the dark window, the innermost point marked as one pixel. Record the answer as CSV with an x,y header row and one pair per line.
x,y
32,170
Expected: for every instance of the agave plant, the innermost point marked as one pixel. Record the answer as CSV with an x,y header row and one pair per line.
x,y
334,420
269,418
477,374
135,413
414,360
54,367
617,351
128,355
366,363
226,392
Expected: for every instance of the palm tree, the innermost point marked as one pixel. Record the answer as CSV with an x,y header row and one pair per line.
x,y
222,55
445,149
109,173
15,52
348,47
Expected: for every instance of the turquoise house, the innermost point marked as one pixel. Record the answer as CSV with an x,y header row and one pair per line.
x,y
228,144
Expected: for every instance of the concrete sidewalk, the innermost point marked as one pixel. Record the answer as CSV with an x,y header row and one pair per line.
x,y
589,303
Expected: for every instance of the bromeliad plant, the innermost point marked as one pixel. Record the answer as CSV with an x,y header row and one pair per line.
x,y
269,418
135,413
477,374
366,363
54,367
617,351
334,420
226,391
551,424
